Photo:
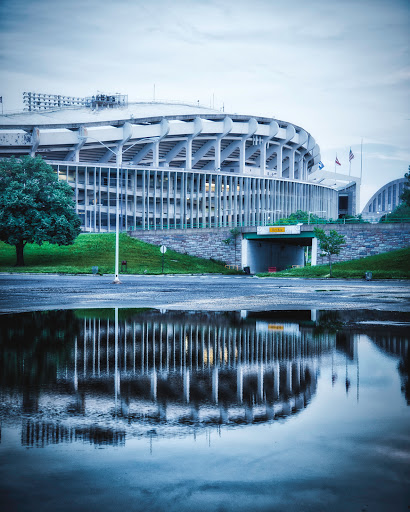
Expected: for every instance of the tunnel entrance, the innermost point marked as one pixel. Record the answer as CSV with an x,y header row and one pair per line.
x,y
263,252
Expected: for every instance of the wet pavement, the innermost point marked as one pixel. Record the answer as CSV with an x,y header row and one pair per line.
x,y
199,292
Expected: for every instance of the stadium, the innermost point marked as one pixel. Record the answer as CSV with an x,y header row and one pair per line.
x,y
175,165
384,201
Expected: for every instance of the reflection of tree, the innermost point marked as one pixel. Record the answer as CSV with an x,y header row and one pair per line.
x,y
404,370
33,346
328,323
395,344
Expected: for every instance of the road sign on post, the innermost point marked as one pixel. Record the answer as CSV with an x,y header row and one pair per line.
x,y
163,250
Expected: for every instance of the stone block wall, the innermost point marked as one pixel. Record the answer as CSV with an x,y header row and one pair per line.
x,y
361,240
204,243
368,239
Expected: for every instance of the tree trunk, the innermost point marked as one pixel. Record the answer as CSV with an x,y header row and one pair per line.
x,y
19,254
330,264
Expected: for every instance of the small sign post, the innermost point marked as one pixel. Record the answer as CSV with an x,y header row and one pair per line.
x,y
163,250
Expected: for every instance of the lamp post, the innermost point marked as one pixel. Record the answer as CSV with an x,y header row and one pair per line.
x,y
117,208
318,211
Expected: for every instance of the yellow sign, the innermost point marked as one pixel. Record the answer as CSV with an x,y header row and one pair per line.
x,y
275,327
277,230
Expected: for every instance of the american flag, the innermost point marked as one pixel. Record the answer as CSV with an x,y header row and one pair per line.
x,y
337,161
351,155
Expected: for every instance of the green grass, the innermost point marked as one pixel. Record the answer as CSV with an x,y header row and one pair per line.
x,y
98,250
389,265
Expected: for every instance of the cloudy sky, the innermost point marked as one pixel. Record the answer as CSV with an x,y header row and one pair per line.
x,y
340,69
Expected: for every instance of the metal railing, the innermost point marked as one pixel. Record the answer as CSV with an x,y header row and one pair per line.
x,y
209,225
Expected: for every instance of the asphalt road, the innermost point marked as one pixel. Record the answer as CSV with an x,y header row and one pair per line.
x,y
208,292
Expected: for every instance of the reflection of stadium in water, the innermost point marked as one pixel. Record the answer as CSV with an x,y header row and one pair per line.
x,y
147,371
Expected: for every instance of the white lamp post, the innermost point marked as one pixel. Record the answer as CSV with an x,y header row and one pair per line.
x,y
117,208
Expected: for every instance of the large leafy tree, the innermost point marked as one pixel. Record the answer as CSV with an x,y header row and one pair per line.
x,y
34,206
330,244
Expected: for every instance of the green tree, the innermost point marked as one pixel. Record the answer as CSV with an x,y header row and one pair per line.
x,y
402,211
330,244
405,197
34,206
302,216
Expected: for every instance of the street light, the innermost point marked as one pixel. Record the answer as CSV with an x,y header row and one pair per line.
x,y
318,211
117,209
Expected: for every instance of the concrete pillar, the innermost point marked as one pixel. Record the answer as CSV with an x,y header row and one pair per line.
x,y
314,252
279,157
242,145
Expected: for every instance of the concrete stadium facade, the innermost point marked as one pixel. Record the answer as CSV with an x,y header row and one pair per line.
x,y
175,165
384,201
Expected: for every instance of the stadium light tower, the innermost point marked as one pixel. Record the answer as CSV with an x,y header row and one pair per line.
x,y
117,207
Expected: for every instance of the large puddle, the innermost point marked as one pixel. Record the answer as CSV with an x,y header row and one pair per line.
x,y
156,410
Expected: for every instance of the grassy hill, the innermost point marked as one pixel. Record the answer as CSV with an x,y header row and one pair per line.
x,y
99,250
389,265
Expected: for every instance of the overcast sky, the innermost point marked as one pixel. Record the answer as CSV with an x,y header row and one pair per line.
x,y
339,69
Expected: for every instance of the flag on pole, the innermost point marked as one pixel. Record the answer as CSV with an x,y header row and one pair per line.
x,y
351,155
1,99
321,165
337,161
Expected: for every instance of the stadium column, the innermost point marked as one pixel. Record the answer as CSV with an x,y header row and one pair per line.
x,y
252,128
135,199
290,134
161,200
35,141
303,141
154,202
226,129
168,197
196,130
262,161
230,207
225,202
307,157
292,163
198,199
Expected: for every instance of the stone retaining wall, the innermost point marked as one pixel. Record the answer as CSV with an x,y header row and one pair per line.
x,y
204,243
368,239
361,240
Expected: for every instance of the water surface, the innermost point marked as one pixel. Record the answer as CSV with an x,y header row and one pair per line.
x,y
157,410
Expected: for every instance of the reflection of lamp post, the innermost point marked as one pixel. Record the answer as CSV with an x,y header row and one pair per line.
x,y
318,211
117,209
